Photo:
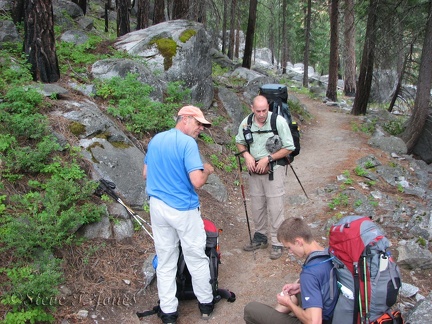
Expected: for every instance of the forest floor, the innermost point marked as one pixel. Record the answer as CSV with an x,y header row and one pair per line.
x,y
105,277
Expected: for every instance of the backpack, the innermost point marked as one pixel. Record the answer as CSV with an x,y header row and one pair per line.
x,y
368,278
277,97
184,279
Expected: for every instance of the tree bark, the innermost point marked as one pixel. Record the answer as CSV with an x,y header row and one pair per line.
x,y
367,62
247,56
334,40
349,50
224,25
158,12
17,11
232,29
39,40
307,42
123,21
422,100
143,14
237,40
180,9
284,38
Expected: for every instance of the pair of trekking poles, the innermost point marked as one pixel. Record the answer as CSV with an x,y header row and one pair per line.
x,y
108,187
243,191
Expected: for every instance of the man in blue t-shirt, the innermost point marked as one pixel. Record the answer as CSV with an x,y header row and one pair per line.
x,y
307,301
173,170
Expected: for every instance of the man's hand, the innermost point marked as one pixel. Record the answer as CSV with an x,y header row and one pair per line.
x,y
291,288
208,168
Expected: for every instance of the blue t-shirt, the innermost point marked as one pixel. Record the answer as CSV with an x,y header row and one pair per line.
x,y
315,286
170,157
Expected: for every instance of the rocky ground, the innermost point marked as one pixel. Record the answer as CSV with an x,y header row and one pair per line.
x,y
105,277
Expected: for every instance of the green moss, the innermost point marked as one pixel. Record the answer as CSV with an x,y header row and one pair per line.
x,y
77,128
187,34
168,48
103,135
119,144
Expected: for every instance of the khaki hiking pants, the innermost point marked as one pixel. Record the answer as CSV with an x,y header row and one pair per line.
x,y
267,202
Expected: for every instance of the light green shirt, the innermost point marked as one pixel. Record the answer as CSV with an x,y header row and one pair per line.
x,y
258,147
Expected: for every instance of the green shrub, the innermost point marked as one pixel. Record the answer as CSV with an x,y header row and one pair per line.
x,y
129,100
395,127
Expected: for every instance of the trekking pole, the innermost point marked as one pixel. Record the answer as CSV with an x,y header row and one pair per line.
x,y
108,187
366,290
244,197
289,163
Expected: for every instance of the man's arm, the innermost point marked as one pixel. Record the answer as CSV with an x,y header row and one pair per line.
x,y
199,177
144,173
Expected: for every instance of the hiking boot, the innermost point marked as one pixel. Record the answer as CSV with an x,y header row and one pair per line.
x,y
255,246
168,318
206,309
276,252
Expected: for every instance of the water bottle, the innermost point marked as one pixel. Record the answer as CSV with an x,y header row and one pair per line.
x,y
345,291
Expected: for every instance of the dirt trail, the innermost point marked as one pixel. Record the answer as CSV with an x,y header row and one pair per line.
x,y
329,146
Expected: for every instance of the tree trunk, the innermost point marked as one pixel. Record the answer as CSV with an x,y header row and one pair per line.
x,y
82,4
180,9
237,40
123,22
158,12
334,40
399,85
271,39
224,25
17,11
307,42
367,62
232,29
422,101
198,11
143,14
349,50
284,37
39,40
247,57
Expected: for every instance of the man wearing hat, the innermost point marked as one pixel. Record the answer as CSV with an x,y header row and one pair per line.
x,y
173,170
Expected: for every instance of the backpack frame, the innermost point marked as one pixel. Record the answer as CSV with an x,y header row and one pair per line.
x,y
277,98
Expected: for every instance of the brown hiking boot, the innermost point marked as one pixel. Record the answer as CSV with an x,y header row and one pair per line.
x,y
276,252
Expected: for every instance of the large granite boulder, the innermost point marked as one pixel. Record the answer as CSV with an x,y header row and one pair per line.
x,y
176,50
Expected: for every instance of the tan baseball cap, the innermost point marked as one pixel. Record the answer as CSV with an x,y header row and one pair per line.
x,y
196,113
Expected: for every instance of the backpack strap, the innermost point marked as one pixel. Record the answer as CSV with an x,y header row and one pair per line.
x,y
272,124
155,310
330,258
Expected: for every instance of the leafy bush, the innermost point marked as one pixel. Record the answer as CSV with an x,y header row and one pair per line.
x,y
129,100
395,127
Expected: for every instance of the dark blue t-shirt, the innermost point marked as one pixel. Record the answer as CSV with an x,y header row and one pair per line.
x,y
315,286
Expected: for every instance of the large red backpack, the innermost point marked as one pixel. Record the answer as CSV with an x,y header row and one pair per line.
x,y
368,278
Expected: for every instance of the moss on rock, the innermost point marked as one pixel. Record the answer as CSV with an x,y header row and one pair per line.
x,y
187,34
168,49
